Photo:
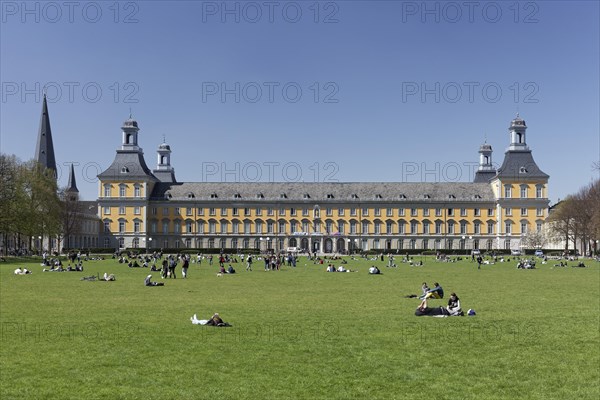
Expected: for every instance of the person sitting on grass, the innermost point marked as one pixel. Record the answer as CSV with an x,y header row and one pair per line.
x,y
330,268
148,282
109,278
453,306
437,293
374,270
230,270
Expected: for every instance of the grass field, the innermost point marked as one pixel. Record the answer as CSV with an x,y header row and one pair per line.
x,y
300,334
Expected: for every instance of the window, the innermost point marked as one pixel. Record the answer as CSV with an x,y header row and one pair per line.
x,y
122,190
523,191
413,212
438,227
154,211
401,212
136,226
365,211
450,227
234,211
438,212
223,227
539,212
121,210
153,227
490,228
270,227
538,227
317,227
539,191
121,226
293,212
353,212
340,212
189,227
177,211
377,228
305,212
165,227
451,212
200,226
401,227
507,191
352,227
270,211
223,212
365,227
136,210
212,211
523,227
137,191
282,211
341,227
426,212
477,212
246,212
247,227
292,227
258,211
107,191
329,211
328,226
426,227
305,227
106,226
508,211
490,212
377,212
389,227
106,242
507,226
281,227
414,227
463,227
463,212
317,212
212,227
477,227
106,210
177,226
165,211
523,212
258,227
188,211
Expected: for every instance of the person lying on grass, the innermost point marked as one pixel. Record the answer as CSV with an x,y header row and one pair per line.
x,y
374,270
148,282
452,310
215,320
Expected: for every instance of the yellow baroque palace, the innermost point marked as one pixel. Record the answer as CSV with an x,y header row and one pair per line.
x,y
147,208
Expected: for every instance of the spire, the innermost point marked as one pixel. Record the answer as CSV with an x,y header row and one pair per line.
x,y
44,151
72,185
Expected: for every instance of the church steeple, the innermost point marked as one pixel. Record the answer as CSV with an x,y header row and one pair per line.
x,y
72,185
44,151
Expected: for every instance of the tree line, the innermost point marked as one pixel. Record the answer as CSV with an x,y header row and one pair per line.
x,y
32,206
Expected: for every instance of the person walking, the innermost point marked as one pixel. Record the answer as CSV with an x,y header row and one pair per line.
x,y
185,266
249,263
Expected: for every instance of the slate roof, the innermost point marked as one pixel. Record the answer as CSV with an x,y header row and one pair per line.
x,y
44,150
519,164
484,176
135,164
323,192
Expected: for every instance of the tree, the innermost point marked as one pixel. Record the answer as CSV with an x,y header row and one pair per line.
x,y
534,240
70,215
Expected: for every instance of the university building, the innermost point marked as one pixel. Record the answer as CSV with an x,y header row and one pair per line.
x,y
149,208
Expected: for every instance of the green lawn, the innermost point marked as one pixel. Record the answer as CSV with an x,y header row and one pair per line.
x,y
300,334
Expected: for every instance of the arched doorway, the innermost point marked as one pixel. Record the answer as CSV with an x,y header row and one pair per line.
x,y
328,245
304,244
341,245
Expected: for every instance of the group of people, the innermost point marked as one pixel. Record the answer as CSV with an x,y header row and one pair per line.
x,y
341,268
22,271
453,308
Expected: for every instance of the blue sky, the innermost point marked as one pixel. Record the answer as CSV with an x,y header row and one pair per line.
x,y
317,91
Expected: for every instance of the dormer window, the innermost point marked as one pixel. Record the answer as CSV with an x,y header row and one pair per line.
x,y
306,196
283,196
124,170
213,196
451,197
237,196
330,196
378,196
426,196
260,196
354,196
477,196
522,170
402,197
190,195
168,195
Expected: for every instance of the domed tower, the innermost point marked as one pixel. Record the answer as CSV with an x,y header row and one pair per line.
x,y
517,134
130,134
486,170
164,171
